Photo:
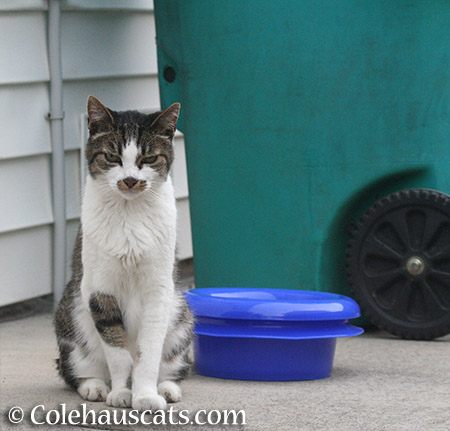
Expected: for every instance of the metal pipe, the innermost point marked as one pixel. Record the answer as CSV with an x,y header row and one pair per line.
x,y
56,116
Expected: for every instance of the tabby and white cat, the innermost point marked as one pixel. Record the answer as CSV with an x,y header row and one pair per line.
x,y
121,314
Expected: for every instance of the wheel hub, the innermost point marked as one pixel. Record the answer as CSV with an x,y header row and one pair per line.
x,y
415,265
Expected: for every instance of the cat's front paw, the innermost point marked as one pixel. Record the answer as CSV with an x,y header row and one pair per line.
x,y
119,398
170,391
151,402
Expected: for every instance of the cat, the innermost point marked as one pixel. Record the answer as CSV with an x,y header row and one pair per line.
x,y
121,314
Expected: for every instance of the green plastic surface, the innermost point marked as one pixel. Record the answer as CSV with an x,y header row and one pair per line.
x,y
297,116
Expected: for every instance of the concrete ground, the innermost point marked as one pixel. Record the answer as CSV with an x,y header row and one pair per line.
x,y
378,383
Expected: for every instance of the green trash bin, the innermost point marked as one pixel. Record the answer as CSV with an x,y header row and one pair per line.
x,y
297,117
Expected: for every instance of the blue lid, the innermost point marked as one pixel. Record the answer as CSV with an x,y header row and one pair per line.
x,y
270,304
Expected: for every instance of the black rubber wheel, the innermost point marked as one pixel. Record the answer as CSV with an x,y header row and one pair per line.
x,y
398,264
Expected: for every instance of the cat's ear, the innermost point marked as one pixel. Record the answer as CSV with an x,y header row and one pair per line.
x,y
166,122
98,113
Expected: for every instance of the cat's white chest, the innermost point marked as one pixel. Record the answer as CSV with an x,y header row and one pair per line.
x,y
130,236
129,230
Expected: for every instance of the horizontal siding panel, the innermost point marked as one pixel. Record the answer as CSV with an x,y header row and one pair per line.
x,y
24,50
25,266
23,127
118,94
29,202
179,171
107,44
16,5
87,5
125,5
184,235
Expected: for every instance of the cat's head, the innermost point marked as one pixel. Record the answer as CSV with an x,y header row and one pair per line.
x,y
129,151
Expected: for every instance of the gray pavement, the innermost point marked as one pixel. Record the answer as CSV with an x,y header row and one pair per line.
x,y
378,383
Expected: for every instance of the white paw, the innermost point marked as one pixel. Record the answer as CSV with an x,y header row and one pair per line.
x,y
151,402
170,391
93,390
119,398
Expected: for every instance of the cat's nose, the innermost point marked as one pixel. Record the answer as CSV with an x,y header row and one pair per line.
x,y
130,182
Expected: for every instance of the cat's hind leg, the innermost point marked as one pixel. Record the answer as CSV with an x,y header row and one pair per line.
x,y
177,358
85,371
82,361
93,389
173,369
171,372
91,368
170,391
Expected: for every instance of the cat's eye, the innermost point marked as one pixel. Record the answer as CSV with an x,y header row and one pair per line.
x,y
149,160
111,158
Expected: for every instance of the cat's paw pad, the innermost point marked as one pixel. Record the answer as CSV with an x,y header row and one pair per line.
x,y
119,398
93,390
170,391
151,402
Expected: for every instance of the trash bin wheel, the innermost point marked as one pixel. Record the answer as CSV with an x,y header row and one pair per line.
x,y
398,264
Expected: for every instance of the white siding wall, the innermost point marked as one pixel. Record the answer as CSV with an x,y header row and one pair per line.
x,y
108,50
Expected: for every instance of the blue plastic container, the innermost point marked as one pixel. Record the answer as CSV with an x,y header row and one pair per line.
x,y
268,334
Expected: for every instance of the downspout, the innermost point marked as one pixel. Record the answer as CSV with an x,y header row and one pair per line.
x,y
56,116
